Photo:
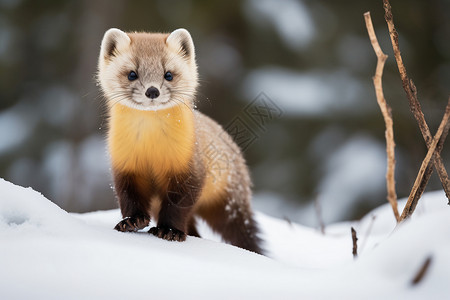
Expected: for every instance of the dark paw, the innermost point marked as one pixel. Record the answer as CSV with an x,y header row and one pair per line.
x,y
132,224
167,233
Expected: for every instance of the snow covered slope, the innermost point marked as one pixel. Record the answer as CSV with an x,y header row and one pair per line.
x,y
47,253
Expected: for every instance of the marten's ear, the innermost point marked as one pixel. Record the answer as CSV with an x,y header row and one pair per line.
x,y
113,41
181,41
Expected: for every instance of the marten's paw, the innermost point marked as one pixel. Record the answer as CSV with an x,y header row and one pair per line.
x,y
168,233
132,223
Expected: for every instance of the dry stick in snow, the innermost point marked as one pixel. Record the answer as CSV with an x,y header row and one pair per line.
x,y
422,271
354,240
386,111
413,199
318,209
414,105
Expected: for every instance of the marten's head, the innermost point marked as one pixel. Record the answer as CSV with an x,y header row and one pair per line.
x,y
148,71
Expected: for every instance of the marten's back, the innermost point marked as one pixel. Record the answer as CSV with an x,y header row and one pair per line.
x,y
225,168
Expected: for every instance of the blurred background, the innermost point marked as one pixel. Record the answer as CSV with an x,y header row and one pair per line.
x,y
312,58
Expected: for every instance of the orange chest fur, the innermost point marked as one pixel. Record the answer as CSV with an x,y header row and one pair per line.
x,y
151,143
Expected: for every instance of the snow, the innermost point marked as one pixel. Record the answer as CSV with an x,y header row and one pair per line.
x,y
47,253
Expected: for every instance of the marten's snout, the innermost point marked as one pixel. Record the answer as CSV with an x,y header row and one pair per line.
x,y
152,92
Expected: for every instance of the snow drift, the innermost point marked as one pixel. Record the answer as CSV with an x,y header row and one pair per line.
x,y
47,253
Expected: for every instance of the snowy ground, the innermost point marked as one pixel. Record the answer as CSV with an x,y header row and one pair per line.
x,y
47,253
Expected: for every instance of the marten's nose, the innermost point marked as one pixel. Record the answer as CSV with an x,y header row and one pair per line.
x,y
152,92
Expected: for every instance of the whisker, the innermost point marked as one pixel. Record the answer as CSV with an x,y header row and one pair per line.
x,y
180,101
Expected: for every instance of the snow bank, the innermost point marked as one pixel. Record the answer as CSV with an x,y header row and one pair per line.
x,y
47,253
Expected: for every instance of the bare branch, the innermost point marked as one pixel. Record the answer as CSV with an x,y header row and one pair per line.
x,y
414,196
386,111
440,145
414,105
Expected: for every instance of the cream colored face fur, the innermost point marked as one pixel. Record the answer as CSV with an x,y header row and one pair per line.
x,y
150,56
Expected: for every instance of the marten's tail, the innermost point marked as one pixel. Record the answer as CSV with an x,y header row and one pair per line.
x,y
235,222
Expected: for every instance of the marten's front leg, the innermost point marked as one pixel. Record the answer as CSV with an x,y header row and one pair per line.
x,y
176,208
133,203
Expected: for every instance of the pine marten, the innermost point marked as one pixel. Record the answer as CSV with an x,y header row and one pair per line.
x,y
169,161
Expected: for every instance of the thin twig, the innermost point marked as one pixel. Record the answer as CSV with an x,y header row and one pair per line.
x,y
440,145
386,111
414,105
367,234
422,271
354,240
318,210
413,197
429,168
288,221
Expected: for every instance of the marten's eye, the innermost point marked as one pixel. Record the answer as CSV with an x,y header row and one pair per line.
x,y
168,76
132,76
